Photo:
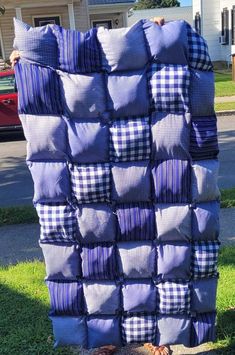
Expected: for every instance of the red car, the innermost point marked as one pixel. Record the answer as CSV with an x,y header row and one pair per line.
x,y
9,118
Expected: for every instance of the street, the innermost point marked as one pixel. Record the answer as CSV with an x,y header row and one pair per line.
x,y
16,187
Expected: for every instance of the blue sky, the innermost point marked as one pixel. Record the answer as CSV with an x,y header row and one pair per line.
x,y
185,2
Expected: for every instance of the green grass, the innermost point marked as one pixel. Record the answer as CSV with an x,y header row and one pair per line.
x,y
24,303
228,198
15,215
224,86
224,106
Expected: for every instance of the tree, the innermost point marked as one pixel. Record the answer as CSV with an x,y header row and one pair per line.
x,y
153,4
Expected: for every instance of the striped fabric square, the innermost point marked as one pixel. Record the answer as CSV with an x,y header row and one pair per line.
x,y
173,298
78,51
139,328
58,223
91,183
168,87
203,328
198,51
204,259
136,221
203,138
130,139
38,90
66,298
172,179
99,262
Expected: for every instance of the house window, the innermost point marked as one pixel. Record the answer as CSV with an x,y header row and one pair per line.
x,y
105,24
46,20
224,26
233,24
197,21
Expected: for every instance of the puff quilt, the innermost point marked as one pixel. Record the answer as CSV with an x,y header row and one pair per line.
x,y
122,148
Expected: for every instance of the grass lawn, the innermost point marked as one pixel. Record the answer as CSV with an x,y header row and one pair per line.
x,y
224,86
224,106
25,328
228,198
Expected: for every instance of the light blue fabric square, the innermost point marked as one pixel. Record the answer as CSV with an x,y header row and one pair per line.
x,y
139,296
136,259
88,140
96,222
203,297
170,135
83,96
62,261
131,182
57,186
173,329
128,95
36,44
102,297
40,144
123,48
205,221
69,331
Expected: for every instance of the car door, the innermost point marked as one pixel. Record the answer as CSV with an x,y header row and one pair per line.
x,y
8,101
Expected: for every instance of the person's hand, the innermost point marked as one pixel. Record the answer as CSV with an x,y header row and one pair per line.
x,y
160,21
14,57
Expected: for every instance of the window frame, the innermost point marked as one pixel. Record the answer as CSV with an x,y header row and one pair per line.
x,y
225,26
197,22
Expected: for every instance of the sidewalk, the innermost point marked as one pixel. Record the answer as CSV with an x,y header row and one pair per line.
x,y
220,99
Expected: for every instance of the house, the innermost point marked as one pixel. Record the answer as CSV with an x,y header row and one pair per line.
x,y
215,20
73,14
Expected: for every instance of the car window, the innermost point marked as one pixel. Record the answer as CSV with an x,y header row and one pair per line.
x,y
7,84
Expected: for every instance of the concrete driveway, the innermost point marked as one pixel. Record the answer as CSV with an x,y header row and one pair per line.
x,y
16,187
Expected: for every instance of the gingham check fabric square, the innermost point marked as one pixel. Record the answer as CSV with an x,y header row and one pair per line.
x,y
204,260
91,183
138,329
198,51
58,222
173,298
130,139
168,87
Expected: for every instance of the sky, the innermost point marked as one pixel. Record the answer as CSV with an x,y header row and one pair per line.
x,y
185,2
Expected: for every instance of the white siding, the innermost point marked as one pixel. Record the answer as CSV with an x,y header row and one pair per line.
x,y
81,15
7,28
169,13
27,14
226,50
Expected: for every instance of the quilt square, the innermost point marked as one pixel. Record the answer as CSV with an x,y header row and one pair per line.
x,y
173,329
139,329
96,223
198,51
204,140
139,296
169,87
136,259
203,328
136,221
204,259
103,330
91,183
66,298
88,140
131,182
173,298
99,262
204,295
170,135
174,261
58,223
102,297
205,221
172,180
130,139
43,82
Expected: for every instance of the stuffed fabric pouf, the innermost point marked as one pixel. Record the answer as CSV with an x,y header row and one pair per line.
x,y
122,148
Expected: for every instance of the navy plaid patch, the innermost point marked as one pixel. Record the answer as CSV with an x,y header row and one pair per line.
x,y
168,86
91,183
198,51
58,222
173,297
130,139
204,260
138,329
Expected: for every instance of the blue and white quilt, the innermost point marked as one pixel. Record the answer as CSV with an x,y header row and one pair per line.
x,y
122,148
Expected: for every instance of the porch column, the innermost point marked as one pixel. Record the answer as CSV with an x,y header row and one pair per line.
x,y
18,13
71,16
